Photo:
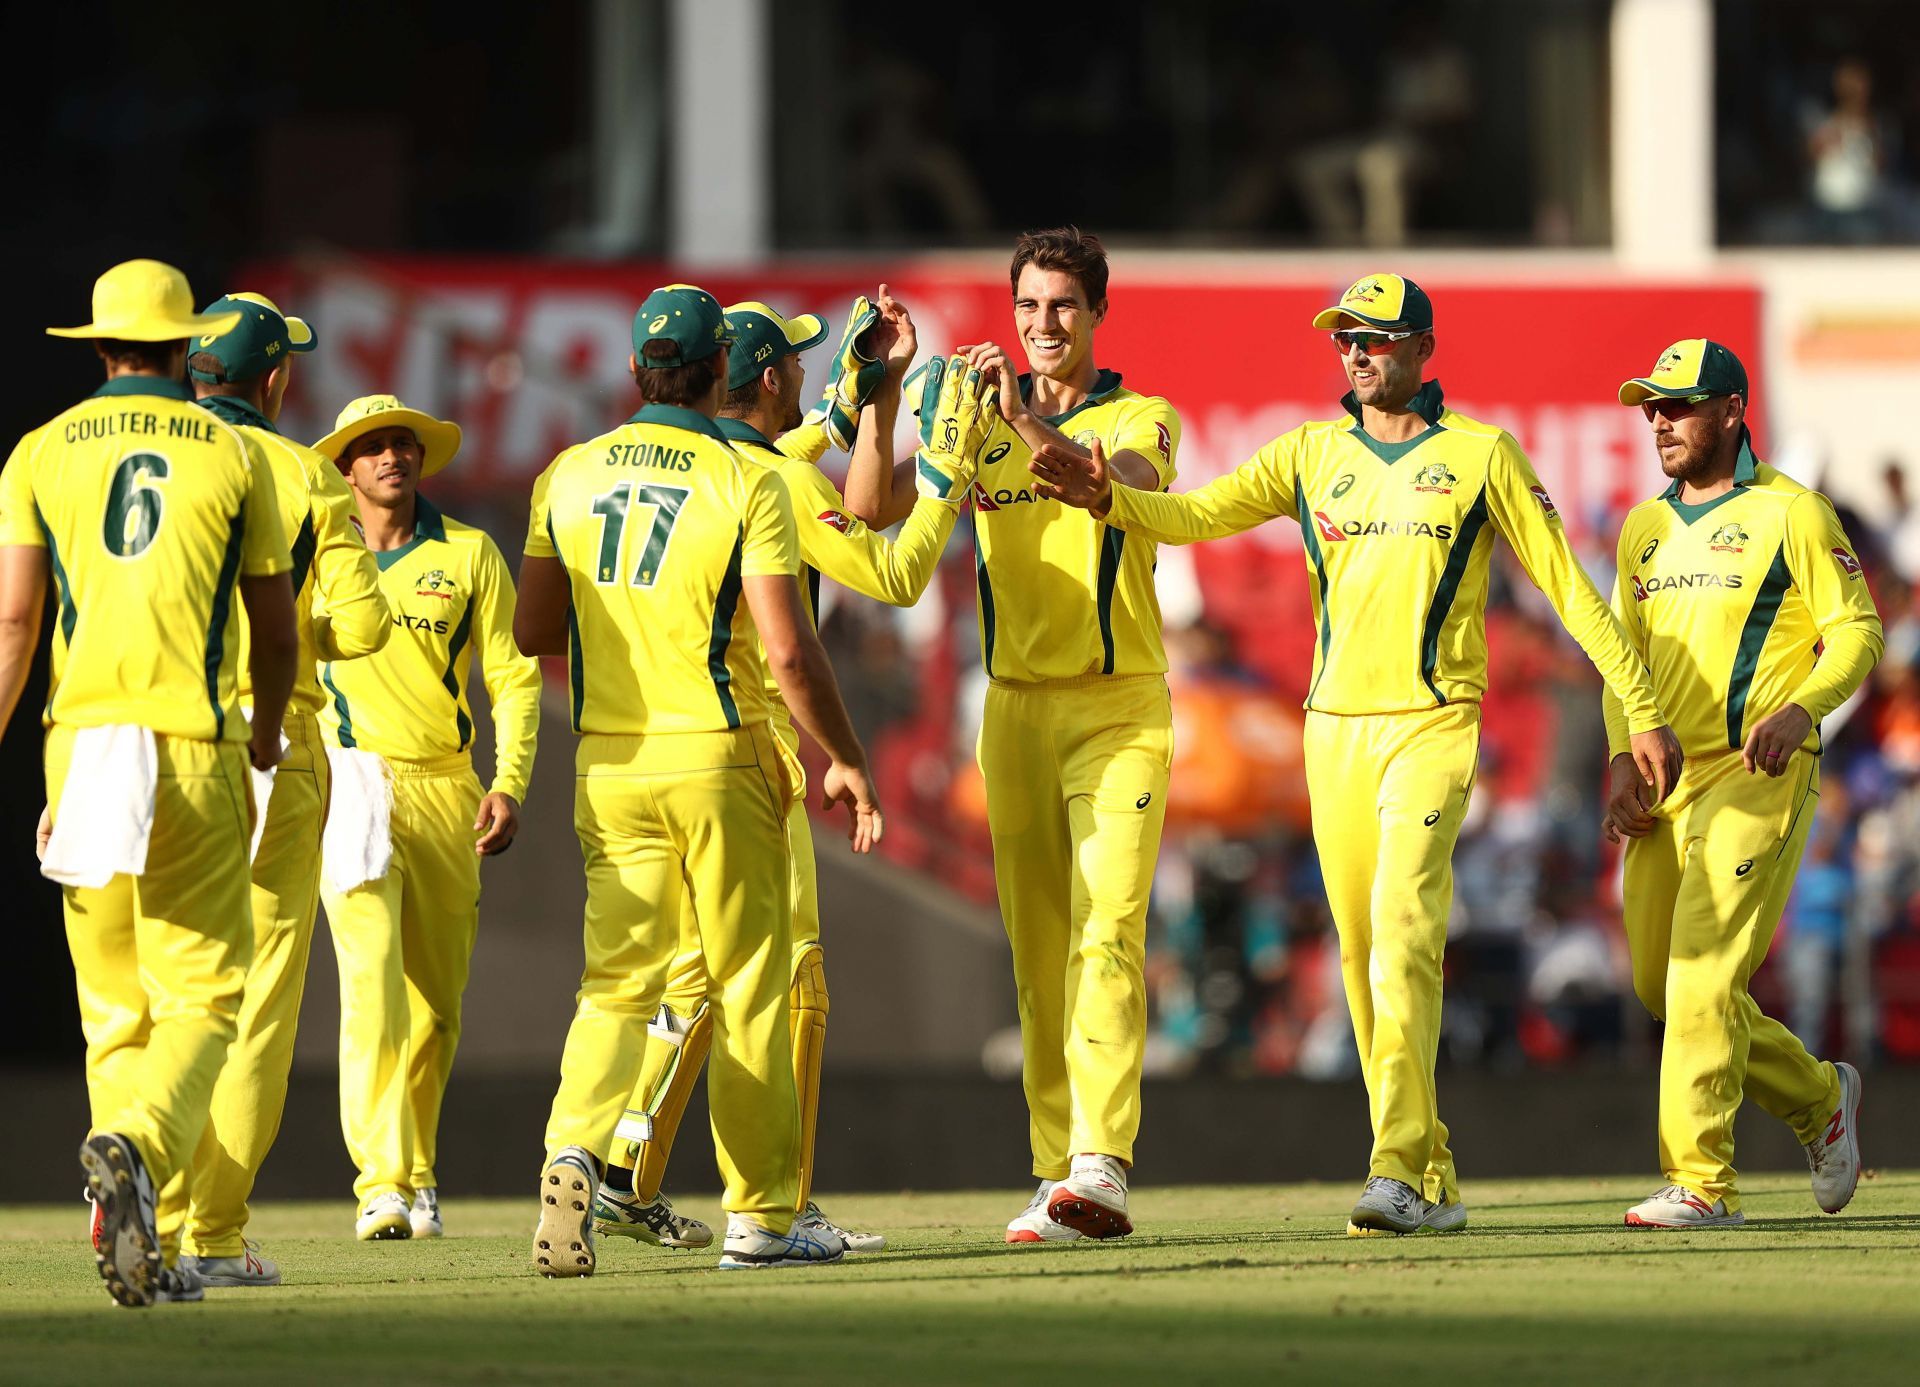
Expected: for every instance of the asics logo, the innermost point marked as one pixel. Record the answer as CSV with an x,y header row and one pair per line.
x,y
1743,868
1432,819
1144,800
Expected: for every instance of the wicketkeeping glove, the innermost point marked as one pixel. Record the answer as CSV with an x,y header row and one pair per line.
x,y
954,425
853,379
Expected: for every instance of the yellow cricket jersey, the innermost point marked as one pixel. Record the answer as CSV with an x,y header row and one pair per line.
x,y
450,593
337,603
1063,594
1741,605
150,510
658,523
1399,541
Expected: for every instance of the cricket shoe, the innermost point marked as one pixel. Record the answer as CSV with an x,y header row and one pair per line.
x,y
1092,1200
1834,1155
424,1217
180,1285
563,1239
384,1218
1448,1216
248,1269
819,1224
126,1246
617,1215
1676,1206
93,1219
1388,1207
1035,1225
749,1247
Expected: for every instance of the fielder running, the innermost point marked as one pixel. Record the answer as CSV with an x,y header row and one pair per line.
x,y
766,384
148,514
1397,503
641,547
409,821
1077,736
241,377
1741,592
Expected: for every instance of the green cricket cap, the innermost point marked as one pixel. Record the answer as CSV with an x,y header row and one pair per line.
x,y
684,316
1696,369
254,345
1387,301
761,337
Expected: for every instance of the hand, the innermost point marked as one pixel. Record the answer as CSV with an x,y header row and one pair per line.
x,y
1774,739
850,785
496,823
1065,476
953,429
894,336
997,369
264,748
1627,800
1657,754
43,832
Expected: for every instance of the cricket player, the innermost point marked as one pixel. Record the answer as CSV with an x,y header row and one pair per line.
x,y
403,895
241,377
762,418
1398,503
1077,736
148,514
1742,594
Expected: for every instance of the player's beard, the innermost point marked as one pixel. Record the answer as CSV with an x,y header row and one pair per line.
x,y
1691,465
792,415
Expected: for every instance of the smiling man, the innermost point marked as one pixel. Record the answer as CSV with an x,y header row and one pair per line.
x,y
409,822
1077,736
1731,581
1398,502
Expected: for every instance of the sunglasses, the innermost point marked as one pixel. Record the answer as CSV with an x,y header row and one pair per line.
x,y
1672,407
1372,343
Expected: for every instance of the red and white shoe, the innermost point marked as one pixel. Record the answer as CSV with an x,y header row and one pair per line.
x,y
1676,1206
93,1221
1092,1200
1033,1225
1834,1156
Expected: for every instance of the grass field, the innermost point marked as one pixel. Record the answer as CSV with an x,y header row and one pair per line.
x,y
1221,1285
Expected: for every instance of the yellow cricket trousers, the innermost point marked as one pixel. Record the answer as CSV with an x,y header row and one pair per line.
x,y
667,821
404,944
251,1092
1076,775
1702,897
160,960
688,987
1389,793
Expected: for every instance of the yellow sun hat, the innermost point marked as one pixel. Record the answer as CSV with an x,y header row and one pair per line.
x,y
145,301
439,438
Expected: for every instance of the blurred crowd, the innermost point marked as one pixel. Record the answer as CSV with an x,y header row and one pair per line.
x,y
1243,965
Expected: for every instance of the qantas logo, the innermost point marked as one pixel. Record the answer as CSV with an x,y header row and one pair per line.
x,y
1003,496
1847,562
838,520
1642,591
1546,501
1639,589
1328,530
1164,438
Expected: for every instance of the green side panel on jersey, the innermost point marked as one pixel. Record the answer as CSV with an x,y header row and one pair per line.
x,y
1447,589
1753,639
217,621
1112,546
463,725
1311,537
726,602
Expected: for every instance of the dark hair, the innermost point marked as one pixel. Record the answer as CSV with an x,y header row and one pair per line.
x,y
221,384
742,399
687,386
1069,250
146,358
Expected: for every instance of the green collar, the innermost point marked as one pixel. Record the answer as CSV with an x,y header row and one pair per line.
x,y
1104,384
740,431
1426,403
1743,472
235,410
428,523
678,417
144,385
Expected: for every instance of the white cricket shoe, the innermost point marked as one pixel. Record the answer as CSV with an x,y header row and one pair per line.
x,y
618,1215
563,1239
1443,1217
1387,1207
384,1218
1034,1225
751,1247
1834,1156
1092,1200
820,1225
1676,1206
126,1245
424,1216
179,1285
248,1269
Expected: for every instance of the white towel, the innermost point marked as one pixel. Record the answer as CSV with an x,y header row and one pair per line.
x,y
357,845
105,815
262,795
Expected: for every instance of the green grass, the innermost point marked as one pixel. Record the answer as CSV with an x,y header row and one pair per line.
x,y
1226,1285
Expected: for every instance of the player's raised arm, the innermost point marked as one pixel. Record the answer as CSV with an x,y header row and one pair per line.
x,y
1522,511
879,490
351,617
1260,489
